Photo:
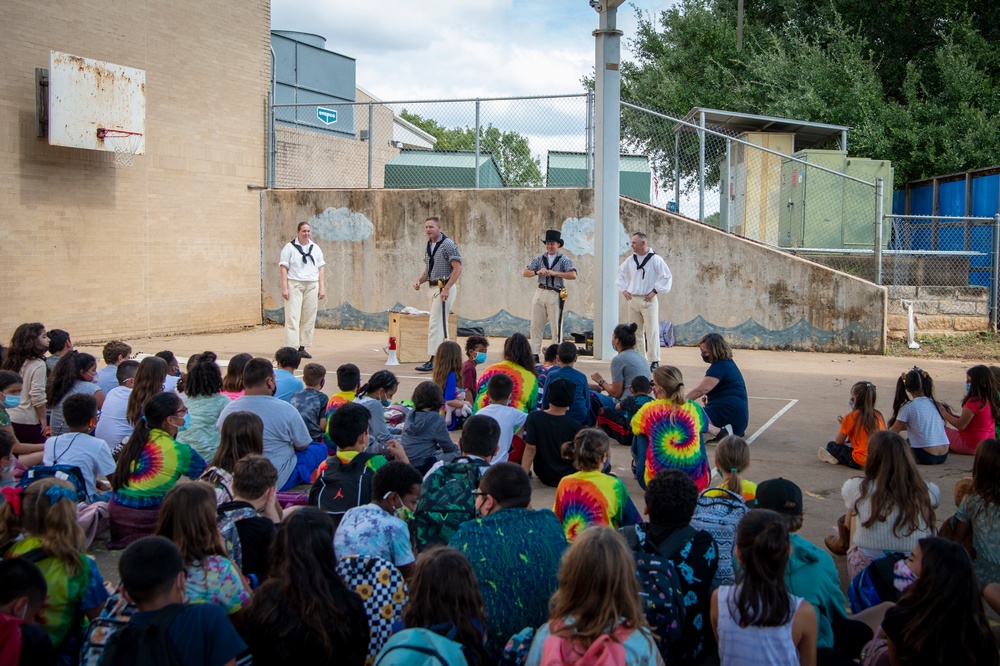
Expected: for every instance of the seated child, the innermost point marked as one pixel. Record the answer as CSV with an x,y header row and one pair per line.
x,y
22,593
642,390
499,389
732,458
78,448
248,522
425,436
311,401
154,579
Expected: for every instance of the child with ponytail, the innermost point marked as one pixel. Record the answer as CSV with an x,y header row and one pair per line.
x,y
920,417
850,447
757,621
45,515
732,458
589,496
980,412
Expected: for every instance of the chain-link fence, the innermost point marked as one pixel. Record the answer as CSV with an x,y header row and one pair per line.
x,y
508,142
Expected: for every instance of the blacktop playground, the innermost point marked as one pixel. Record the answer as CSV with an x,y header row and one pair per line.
x,y
795,399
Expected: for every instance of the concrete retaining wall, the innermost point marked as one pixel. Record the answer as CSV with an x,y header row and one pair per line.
x,y
939,310
374,244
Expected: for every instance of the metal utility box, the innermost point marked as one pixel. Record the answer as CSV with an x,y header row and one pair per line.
x,y
818,209
749,198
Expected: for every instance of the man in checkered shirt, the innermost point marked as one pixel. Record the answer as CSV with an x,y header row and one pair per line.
x,y
442,268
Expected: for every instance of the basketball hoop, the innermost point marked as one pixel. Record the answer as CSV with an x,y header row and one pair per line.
x,y
125,144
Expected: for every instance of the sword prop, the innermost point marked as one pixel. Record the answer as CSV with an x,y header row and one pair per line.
x,y
444,306
563,295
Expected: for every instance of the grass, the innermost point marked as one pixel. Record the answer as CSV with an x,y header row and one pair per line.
x,y
972,346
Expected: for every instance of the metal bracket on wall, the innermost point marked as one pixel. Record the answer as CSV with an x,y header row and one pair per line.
x,y
41,101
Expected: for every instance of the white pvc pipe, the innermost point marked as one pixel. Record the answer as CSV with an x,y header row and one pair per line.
x,y
910,342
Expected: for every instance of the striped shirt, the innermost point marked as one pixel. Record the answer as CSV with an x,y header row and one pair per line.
x,y
560,263
438,258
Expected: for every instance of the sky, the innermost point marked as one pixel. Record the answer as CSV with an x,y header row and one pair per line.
x,y
445,49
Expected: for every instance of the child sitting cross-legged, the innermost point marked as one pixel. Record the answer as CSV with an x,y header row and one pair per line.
x,y
154,579
248,522
425,435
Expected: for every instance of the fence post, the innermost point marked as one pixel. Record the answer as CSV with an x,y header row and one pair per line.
x,y
879,212
701,166
371,143
994,272
272,148
728,208
475,166
590,138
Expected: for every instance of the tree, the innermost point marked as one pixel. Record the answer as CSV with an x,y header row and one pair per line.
x,y
510,150
918,86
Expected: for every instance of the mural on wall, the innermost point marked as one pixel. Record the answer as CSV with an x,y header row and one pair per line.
x,y
341,224
578,236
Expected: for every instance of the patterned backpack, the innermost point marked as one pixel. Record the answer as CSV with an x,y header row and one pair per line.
x,y
227,527
719,516
383,592
446,501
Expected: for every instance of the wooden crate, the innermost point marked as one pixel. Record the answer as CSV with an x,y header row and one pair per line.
x,y
410,332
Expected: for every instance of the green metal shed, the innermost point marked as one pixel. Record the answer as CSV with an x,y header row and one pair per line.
x,y
413,169
570,170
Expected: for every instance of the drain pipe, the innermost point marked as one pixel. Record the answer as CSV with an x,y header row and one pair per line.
x,y
910,342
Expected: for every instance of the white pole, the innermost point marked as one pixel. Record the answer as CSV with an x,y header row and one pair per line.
x,y
606,185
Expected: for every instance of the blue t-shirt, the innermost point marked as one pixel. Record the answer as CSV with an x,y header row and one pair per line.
x,y
287,385
727,402
201,635
580,409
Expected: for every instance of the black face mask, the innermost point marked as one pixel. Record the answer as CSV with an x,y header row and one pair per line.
x,y
705,358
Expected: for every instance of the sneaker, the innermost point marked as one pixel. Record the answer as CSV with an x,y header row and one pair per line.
x,y
654,365
426,367
724,431
827,457
303,353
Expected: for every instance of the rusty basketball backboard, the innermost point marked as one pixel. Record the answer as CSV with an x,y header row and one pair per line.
x,y
89,97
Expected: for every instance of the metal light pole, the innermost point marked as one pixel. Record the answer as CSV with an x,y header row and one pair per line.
x,y
607,126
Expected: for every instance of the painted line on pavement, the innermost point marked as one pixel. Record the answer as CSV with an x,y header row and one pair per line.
x,y
778,415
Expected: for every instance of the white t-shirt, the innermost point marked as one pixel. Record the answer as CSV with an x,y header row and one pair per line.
x,y
90,454
924,425
510,421
297,270
113,427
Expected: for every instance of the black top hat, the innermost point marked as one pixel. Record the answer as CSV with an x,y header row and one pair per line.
x,y
553,235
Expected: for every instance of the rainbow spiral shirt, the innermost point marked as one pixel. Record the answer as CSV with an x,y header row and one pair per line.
x,y
336,400
593,498
162,462
674,439
525,394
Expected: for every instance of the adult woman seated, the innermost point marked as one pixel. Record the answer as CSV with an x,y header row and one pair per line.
x,y
723,386
149,465
517,364
627,365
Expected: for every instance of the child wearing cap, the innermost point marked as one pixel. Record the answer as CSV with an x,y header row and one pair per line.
x,y
812,575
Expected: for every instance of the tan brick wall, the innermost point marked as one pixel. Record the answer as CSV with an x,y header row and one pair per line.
x,y
172,244
938,311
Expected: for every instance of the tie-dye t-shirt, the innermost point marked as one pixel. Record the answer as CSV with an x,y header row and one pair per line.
x,y
67,592
163,461
593,498
525,394
674,439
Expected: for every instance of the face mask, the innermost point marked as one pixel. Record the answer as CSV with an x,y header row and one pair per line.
x,y
187,422
177,373
11,401
480,358
705,358
967,386
850,403
404,513
385,403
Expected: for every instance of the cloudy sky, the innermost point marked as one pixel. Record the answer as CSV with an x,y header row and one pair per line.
x,y
426,49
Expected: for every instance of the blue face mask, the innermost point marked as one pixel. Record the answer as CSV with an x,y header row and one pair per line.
x,y
187,422
480,358
967,386
385,403
11,401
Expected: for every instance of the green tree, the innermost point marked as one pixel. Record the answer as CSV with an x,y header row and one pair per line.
x,y
917,84
510,150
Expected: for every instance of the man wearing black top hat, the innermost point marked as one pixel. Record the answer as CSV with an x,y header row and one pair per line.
x,y
551,269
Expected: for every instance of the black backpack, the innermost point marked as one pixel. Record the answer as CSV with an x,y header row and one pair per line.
x,y
446,501
144,645
343,486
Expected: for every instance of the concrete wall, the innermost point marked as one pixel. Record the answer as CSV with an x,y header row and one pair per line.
x,y
171,244
374,244
939,310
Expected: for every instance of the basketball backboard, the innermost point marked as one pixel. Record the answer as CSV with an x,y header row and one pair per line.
x,y
89,97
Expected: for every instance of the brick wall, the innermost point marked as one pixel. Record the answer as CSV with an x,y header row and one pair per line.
x,y
172,244
938,310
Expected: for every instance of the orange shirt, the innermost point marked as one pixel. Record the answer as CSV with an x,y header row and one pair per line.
x,y
852,428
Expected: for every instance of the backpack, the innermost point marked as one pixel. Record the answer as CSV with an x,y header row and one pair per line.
x,y
719,516
874,584
69,473
446,501
148,644
342,487
605,651
614,426
421,647
227,527
660,585
11,639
